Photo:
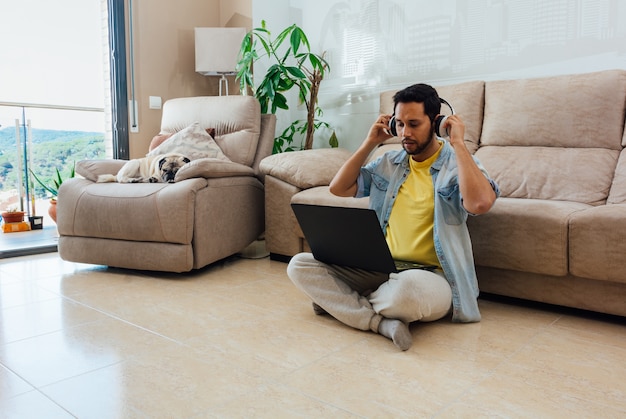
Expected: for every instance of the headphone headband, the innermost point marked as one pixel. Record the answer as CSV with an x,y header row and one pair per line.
x,y
445,102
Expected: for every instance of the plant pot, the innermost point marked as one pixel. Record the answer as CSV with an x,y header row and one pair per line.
x,y
13,217
52,210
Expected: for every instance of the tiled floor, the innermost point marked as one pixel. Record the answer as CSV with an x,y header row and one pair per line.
x,y
238,340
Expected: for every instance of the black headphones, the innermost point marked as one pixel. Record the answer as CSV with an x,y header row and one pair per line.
x,y
439,121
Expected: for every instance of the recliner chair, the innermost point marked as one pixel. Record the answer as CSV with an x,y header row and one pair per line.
x,y
213,210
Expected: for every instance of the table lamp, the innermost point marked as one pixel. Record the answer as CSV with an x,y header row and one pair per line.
x,y
217,52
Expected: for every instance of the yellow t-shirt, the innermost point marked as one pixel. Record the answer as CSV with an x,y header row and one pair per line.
x,y
410,229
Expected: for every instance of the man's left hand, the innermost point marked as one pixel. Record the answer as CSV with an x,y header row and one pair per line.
x,y
456,129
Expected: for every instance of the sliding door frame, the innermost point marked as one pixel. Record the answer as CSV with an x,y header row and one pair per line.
x,y
119,80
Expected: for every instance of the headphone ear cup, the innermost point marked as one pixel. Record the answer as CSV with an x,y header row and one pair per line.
x,y
392,126
439,129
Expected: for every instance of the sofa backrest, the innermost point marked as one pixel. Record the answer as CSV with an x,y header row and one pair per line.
x,y
236,119
555,137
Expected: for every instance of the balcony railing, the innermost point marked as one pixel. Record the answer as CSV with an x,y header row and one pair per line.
x,y
43,138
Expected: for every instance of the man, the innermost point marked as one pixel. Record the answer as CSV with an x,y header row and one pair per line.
x,y
422,195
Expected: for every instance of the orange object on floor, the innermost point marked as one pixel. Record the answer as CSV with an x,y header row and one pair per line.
x,y
15,227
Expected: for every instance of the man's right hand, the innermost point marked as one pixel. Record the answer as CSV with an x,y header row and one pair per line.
x,y
344,182
379,131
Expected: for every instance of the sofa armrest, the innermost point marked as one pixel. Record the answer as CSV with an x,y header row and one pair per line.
x,y
91,169
307,168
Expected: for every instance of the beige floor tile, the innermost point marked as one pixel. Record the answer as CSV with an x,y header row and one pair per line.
x,y
373,379
18,293
611,331
264,266
47,316
38,266
32,405
271,294
8,278
87,279
165,383
11,385
576,367
275,401
52,357
275,345
177,315
506,396
503,330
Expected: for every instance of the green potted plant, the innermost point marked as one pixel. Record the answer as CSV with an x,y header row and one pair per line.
x,y
296,67
53,188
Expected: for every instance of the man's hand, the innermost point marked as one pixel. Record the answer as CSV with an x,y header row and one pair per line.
x,y
456,129
344,182
379,131
478,195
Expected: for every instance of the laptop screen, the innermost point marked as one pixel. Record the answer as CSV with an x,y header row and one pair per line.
x,y
345,236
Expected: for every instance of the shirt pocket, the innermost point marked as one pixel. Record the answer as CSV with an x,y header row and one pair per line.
x,y
451,205
380,182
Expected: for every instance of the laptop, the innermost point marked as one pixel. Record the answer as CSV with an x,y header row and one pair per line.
x,y
348,237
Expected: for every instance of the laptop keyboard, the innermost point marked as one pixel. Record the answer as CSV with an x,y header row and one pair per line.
x,y
402,265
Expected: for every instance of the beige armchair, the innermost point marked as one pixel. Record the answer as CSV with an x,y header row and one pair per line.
x,y
213,210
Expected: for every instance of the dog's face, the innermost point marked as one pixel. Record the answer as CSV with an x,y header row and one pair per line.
x,y
169,165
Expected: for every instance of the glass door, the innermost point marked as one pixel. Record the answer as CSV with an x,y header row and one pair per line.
x,y
54,96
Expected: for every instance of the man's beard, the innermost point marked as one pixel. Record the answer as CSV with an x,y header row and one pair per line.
x,y
420,148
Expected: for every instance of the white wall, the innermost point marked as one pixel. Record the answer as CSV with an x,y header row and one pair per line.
x,y
376,45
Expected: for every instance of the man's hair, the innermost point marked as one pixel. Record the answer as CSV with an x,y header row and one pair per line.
x,y
420,93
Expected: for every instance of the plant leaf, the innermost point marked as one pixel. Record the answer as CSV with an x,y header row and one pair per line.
x,y
333,141
296,72
280,101
281,37
295,39
302,36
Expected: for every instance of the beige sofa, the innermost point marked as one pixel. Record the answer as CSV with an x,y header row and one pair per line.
x,y
555,146
213,210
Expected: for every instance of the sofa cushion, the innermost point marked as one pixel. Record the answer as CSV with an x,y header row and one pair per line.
x,y
322,196
307,168
193,142
567,174
236,119
617,195
527,235
581,110
542,138
468,101
597,245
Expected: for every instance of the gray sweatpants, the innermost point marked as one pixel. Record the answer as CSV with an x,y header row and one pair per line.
x,y
360,298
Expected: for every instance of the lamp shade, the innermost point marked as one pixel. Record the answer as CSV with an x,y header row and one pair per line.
x,y
217,50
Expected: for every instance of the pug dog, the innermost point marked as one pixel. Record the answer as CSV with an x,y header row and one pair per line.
x,y
161,168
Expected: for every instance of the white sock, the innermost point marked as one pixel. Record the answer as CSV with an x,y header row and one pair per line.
x,y
397,331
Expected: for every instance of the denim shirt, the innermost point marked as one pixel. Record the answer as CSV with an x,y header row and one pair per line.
x,y
381,181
